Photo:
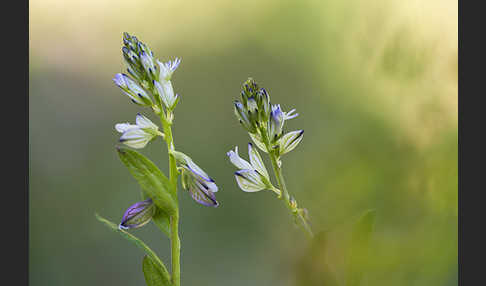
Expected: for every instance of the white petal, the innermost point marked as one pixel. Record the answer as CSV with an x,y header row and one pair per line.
x,y
137,144
136,138
249,181
256,139
122,127
290,140
256,161
237,160
144,122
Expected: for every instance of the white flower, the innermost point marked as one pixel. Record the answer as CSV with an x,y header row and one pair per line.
x,y
139,134
166,93
252,176
167,69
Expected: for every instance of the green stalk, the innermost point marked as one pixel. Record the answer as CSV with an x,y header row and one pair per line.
x,y
285,194
281,182
174,219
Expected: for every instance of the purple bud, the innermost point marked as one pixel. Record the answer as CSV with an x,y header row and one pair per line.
x,y
138,215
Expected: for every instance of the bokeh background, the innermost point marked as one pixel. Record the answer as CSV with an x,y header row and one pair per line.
x,y
375,83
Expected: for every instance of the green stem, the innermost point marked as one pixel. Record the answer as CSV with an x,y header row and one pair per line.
x,y
174,220
285,194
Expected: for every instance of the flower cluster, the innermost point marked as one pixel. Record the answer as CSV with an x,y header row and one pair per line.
x,y
264,121
148,83
147,75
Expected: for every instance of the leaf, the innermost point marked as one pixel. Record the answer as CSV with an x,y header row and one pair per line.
x,y
359,248
153,275
162,221
155,259
152,181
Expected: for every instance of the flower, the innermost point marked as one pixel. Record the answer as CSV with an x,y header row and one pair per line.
x,y
136,93
252,176
148,64
275,124
139,134
167,69
196,181
138,215
166,93
242,114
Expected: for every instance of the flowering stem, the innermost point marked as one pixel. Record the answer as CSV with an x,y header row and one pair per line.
x,y
174,219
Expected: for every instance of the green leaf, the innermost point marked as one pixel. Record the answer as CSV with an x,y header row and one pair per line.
x,y
153,275
155,259
359,248
162,221
152,181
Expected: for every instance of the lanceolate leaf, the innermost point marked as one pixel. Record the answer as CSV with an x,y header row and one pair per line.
x,y
152,181
155,259
359,248
153,275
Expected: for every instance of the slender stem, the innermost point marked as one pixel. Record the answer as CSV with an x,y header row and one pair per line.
x,y
174,219
285,194
175,249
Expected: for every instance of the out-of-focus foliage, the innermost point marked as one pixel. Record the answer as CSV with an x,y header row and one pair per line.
x,y
375,83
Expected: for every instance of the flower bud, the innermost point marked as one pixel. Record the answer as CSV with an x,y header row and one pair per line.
x,y
275,123
166,93
138,215
265,105
148,64
242,115
252,108
136,93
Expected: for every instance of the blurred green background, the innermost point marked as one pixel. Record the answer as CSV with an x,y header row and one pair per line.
x,y
375,83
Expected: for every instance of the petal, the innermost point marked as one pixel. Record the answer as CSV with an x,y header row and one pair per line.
x,y
135,138
122,127
290,140
237,160
144,122
258,142
249,181
119,80
256,161
200,190
197,171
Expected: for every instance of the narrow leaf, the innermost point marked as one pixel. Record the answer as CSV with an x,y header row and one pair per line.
x,y
152,181
152,273
359,248
160,265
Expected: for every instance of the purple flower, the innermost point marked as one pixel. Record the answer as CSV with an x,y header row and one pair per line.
x,y
196,181
138,215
